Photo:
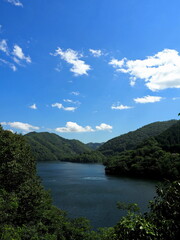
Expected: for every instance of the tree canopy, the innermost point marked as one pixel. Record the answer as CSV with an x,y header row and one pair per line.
x,y
27,213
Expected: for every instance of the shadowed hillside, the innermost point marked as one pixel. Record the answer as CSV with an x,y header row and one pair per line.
x,y
157,157
132,139
50,147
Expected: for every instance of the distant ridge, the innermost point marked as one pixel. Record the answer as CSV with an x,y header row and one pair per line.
x,y
157,157
94,146
132,139
51,147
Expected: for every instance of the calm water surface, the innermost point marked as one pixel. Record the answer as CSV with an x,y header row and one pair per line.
x,y
85,190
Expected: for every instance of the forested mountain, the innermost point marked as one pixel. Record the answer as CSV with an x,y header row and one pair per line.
x,y
132,139
94,146
157,157
49,146
169,140
27,213
88,157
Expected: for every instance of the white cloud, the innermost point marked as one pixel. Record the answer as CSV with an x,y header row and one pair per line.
x,y
120,107
15,3
69,108
74,127
71,101
148,99
75,93
104,127
33,106
60,106
12,66
18,53
159,72
68,100
21,126
96,53
175,98
79,67
117,63
3,123
4,46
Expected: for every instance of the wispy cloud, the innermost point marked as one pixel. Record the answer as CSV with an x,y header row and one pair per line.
x,y
4,46
60,106
75,93
96,53
11,65
16,3
120,107
21,126
79,67
58,68
71,101
74,127
33,106
68,100
148,99
18,53
176,98
159,72
104,127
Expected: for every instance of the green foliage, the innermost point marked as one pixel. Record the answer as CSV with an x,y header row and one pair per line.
x,y
158,157
94,146
89,157
136,227
169,140
131,207
26,211
16,161
165,210
132,139
51,147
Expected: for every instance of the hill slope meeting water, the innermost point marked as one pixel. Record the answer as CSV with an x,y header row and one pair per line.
x,y
26,210
51,147
157,157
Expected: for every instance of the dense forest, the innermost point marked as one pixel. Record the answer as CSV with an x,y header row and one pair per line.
x,y
94,146
51,147
132,139
87,157
157,157
27,213
151,151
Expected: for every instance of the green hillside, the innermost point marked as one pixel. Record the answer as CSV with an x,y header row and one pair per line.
x,y
50,147
157,157
132,139
94,146
169,140
27,213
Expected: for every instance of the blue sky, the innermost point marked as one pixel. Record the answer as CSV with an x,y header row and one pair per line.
x,y
87,69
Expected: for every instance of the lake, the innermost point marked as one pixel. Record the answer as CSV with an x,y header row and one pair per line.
x,y
83,190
